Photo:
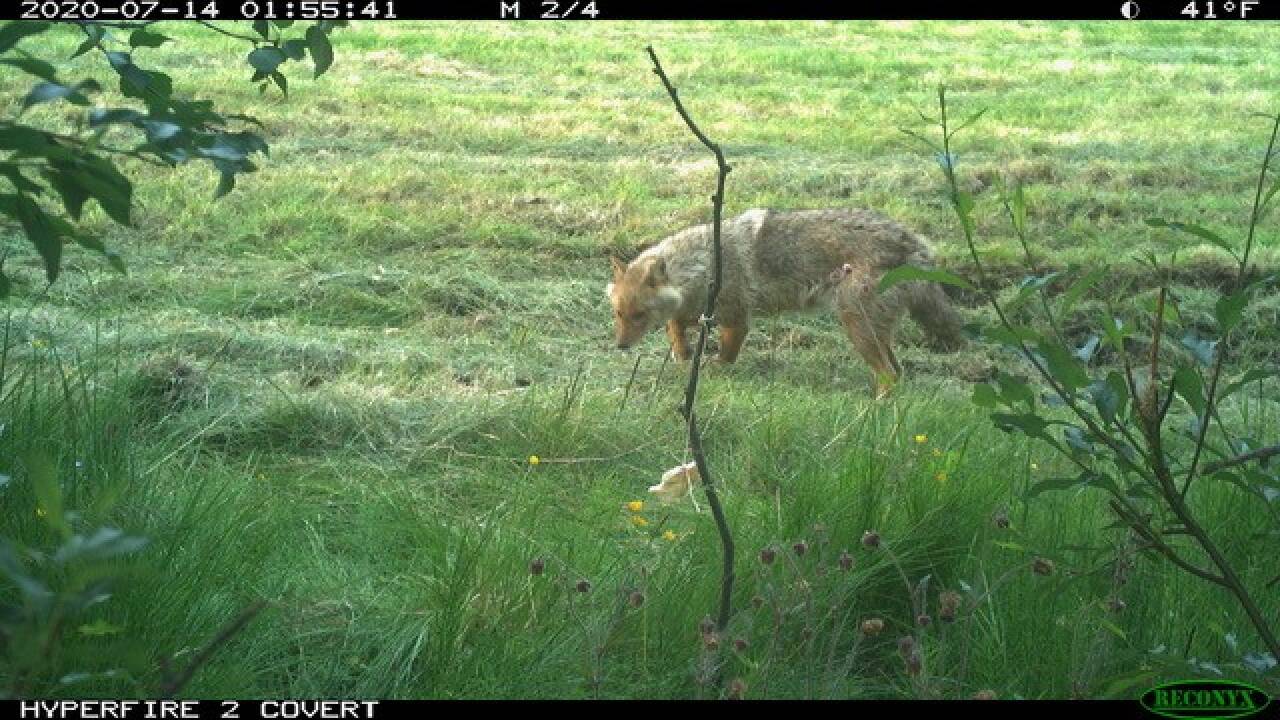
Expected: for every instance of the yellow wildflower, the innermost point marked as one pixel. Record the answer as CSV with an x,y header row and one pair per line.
x,y
921,439
534,460
668,535
937,452
638,521
635,506
941,476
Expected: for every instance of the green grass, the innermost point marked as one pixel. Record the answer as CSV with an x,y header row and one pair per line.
x,y
324,388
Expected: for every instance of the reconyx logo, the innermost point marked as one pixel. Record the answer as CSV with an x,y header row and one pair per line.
x,y
1204,699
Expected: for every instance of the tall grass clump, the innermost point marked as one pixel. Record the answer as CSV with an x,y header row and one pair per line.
x,y
1158,425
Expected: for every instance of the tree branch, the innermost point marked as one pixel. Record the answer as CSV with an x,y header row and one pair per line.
x,y
1259,454
708,315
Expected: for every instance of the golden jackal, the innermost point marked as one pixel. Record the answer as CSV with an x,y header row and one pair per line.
x,y
776,261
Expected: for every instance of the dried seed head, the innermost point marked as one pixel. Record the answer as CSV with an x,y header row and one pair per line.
x,y
767,555
1001,519
635,599
737,689
819,533
872,627
584,586
906,645
800,548
537,566
845,561
871,539
984,695
1042,566
741,644
913,663
923,620
706,626
711,641
948,604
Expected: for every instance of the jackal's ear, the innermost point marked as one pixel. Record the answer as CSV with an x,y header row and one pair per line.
x,y
618,268
657,273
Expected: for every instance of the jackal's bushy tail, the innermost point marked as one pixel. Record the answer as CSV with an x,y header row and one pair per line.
x,y
930,307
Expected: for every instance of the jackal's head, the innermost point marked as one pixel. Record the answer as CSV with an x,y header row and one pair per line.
x,y
642,298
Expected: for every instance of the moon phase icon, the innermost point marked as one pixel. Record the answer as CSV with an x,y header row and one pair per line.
x,y
1129,10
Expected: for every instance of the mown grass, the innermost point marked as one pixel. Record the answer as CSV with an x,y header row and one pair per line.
x,y
325,388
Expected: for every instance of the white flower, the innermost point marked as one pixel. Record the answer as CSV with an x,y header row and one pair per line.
x,y
676,482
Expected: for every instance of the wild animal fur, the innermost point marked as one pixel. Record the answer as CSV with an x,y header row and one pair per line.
x,y
776,261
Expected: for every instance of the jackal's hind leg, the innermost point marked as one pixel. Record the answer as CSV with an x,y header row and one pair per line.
x,y
872,337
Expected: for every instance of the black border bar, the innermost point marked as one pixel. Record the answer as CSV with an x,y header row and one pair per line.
x,y
598,10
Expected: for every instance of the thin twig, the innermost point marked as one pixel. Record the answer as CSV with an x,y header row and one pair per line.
x,y
708,315
1259,454
173,683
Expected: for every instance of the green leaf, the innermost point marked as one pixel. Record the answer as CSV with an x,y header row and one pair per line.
x,y
1080,287
266,59
1109,395
985,396
93,36
45,486
963,203
262,27
1198,231
100,179
1077,440
1084,479
226,182
1062,365
295,49
99,628
11,567
1202,350
1029,424
909,273
1017,202
47,92
1252,375
104,544
31,66
1115,332
1229,309
145,38
113,116
1029,286
1013,337
12,32
321,50
1265,205
281,82
73,194
40,230
1014,390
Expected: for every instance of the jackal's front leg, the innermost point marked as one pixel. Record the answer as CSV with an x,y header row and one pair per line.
x,y
677,331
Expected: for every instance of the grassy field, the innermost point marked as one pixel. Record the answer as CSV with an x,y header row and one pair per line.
x,y
325,389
